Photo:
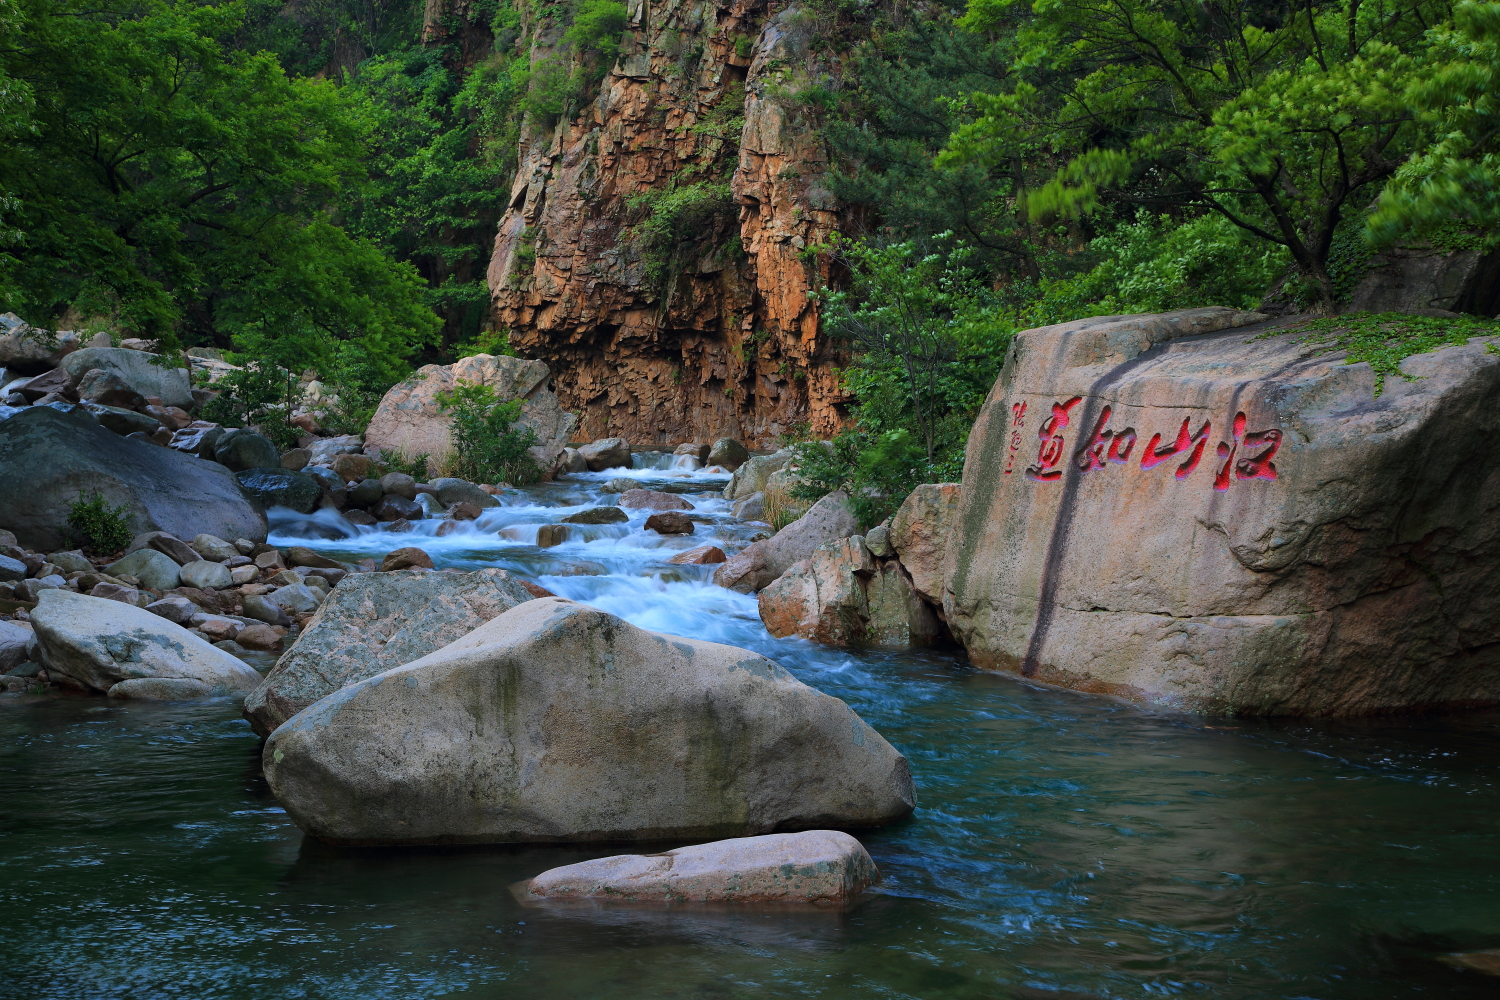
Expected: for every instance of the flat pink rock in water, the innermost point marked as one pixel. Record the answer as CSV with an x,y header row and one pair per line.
x,y
816,866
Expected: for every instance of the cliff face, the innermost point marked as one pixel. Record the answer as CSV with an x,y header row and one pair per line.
x,y
651,252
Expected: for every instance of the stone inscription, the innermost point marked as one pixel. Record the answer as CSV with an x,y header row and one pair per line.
x,y
1246,455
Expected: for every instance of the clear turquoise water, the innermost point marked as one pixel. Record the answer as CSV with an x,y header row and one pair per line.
x,y
1066,846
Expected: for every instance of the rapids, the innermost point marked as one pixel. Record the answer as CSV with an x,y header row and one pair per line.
x,y
1065,846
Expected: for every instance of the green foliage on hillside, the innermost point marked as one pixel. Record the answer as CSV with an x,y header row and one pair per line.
x,y
181,187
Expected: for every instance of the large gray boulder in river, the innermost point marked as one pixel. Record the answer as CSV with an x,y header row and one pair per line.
x,y
372,622
129,652
559,722
1177,510
50,457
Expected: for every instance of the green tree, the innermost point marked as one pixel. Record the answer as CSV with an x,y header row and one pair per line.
x,y
1456,180
928,336
183,188
1275,116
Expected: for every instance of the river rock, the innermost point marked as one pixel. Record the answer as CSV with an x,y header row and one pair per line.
x,y
12,570
452,491
697,449
823,597
277,487
108,389
125,594
619,484
751,477
166,543
121,421
366,493
571,461
301,555
703,555
920,531
393,508
606,453
560,722
160,489
296,459
752,508
814,866
398,484
597,515
410,557
129,652
409,423
206,575
137,369
26,349
194,439
374,621
213,548
728,453
653,500
670,522
755,566
240,449
14,640
296,598
1173,510
177,610
326,451
258,607
154,569
71,561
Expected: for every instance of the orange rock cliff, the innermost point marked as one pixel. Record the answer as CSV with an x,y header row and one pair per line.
x,y
652,253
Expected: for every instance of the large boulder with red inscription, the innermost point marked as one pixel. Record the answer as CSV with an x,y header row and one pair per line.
x,y
1191,510
410,422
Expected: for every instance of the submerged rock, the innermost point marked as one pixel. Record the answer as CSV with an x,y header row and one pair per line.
x,y
129,652
1176,511
597,515
814,866
559,722
369,623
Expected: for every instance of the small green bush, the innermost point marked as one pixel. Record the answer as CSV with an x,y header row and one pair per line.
x,y
416,466
878,471
489,444
103,528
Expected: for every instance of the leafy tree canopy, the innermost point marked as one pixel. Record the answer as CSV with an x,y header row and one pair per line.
x,y
1279,117
181,187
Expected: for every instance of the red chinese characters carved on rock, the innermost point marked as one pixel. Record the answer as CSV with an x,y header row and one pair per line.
x,y
1104,447
1017,421
1049,456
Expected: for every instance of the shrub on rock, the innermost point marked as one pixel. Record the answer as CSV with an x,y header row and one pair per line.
x,y
159,488
559,722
